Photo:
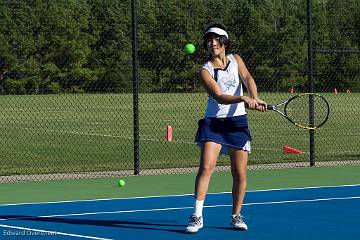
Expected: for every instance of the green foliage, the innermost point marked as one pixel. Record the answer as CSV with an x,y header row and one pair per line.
x,y
85,45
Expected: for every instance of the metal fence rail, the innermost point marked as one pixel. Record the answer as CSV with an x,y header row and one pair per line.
x,y
104,88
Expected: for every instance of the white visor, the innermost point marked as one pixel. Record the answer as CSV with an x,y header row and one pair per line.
x,y
217,31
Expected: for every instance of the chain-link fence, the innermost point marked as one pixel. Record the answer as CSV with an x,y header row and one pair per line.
x,y
66,77
337,71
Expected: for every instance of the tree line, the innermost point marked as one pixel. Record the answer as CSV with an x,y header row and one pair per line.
x,y
49,46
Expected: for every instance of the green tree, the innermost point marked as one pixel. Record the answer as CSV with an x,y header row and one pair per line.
x,y
111,52
271,37
19,69
66,38
342,20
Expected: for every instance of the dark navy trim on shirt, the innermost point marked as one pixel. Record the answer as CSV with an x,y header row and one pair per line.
x,y
225,68
216,70
216,74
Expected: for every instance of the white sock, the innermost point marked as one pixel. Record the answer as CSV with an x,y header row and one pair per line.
x,y
199,204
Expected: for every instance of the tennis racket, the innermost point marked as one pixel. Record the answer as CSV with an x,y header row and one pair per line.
x,y
307,110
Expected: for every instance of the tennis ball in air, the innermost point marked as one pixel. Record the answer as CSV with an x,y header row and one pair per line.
x,y
189,48
121,183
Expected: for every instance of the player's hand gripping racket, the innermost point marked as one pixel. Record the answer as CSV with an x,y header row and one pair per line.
x,y
307,110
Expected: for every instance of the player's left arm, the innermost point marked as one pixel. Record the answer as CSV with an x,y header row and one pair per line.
x,y
249,82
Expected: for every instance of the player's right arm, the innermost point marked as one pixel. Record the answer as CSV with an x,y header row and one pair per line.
x,y
214,90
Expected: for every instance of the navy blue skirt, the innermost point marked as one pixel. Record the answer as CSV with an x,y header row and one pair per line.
x,y
231,132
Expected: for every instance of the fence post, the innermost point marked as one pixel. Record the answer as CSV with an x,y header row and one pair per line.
x,y
311,81
135,87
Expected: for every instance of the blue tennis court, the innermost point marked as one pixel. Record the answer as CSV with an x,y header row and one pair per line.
x,y
330,212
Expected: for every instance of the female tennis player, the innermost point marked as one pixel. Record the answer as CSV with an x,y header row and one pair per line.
x,y
224,129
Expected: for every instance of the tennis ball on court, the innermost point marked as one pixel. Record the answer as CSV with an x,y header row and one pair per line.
x,y
121,183
189,48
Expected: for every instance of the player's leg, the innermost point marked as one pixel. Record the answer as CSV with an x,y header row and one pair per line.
x,y
209,155
239,159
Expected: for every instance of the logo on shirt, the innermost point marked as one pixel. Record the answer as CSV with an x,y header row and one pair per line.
x,y
229,81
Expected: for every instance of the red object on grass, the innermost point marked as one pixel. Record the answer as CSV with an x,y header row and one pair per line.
x,y
290,150
169,133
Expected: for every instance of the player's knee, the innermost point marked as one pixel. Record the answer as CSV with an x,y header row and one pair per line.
x,y
243,180
207,169
239,176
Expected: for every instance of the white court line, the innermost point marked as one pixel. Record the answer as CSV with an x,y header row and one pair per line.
x,y
52,233
178,195
182,208
304,188
142,137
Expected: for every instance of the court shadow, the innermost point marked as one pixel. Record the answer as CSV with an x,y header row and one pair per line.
x,y
227,228
145,224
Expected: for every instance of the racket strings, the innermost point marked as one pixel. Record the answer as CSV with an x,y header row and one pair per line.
x,y
300,110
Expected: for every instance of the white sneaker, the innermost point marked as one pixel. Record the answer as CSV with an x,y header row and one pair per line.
x,y
195,223
237,222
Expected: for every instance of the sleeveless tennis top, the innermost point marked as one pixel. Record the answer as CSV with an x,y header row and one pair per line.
x,y
229,82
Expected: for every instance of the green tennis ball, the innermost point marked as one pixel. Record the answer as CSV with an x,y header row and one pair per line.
x,y
121,183
189,48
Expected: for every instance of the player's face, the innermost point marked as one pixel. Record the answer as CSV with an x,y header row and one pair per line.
x,y
215,47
